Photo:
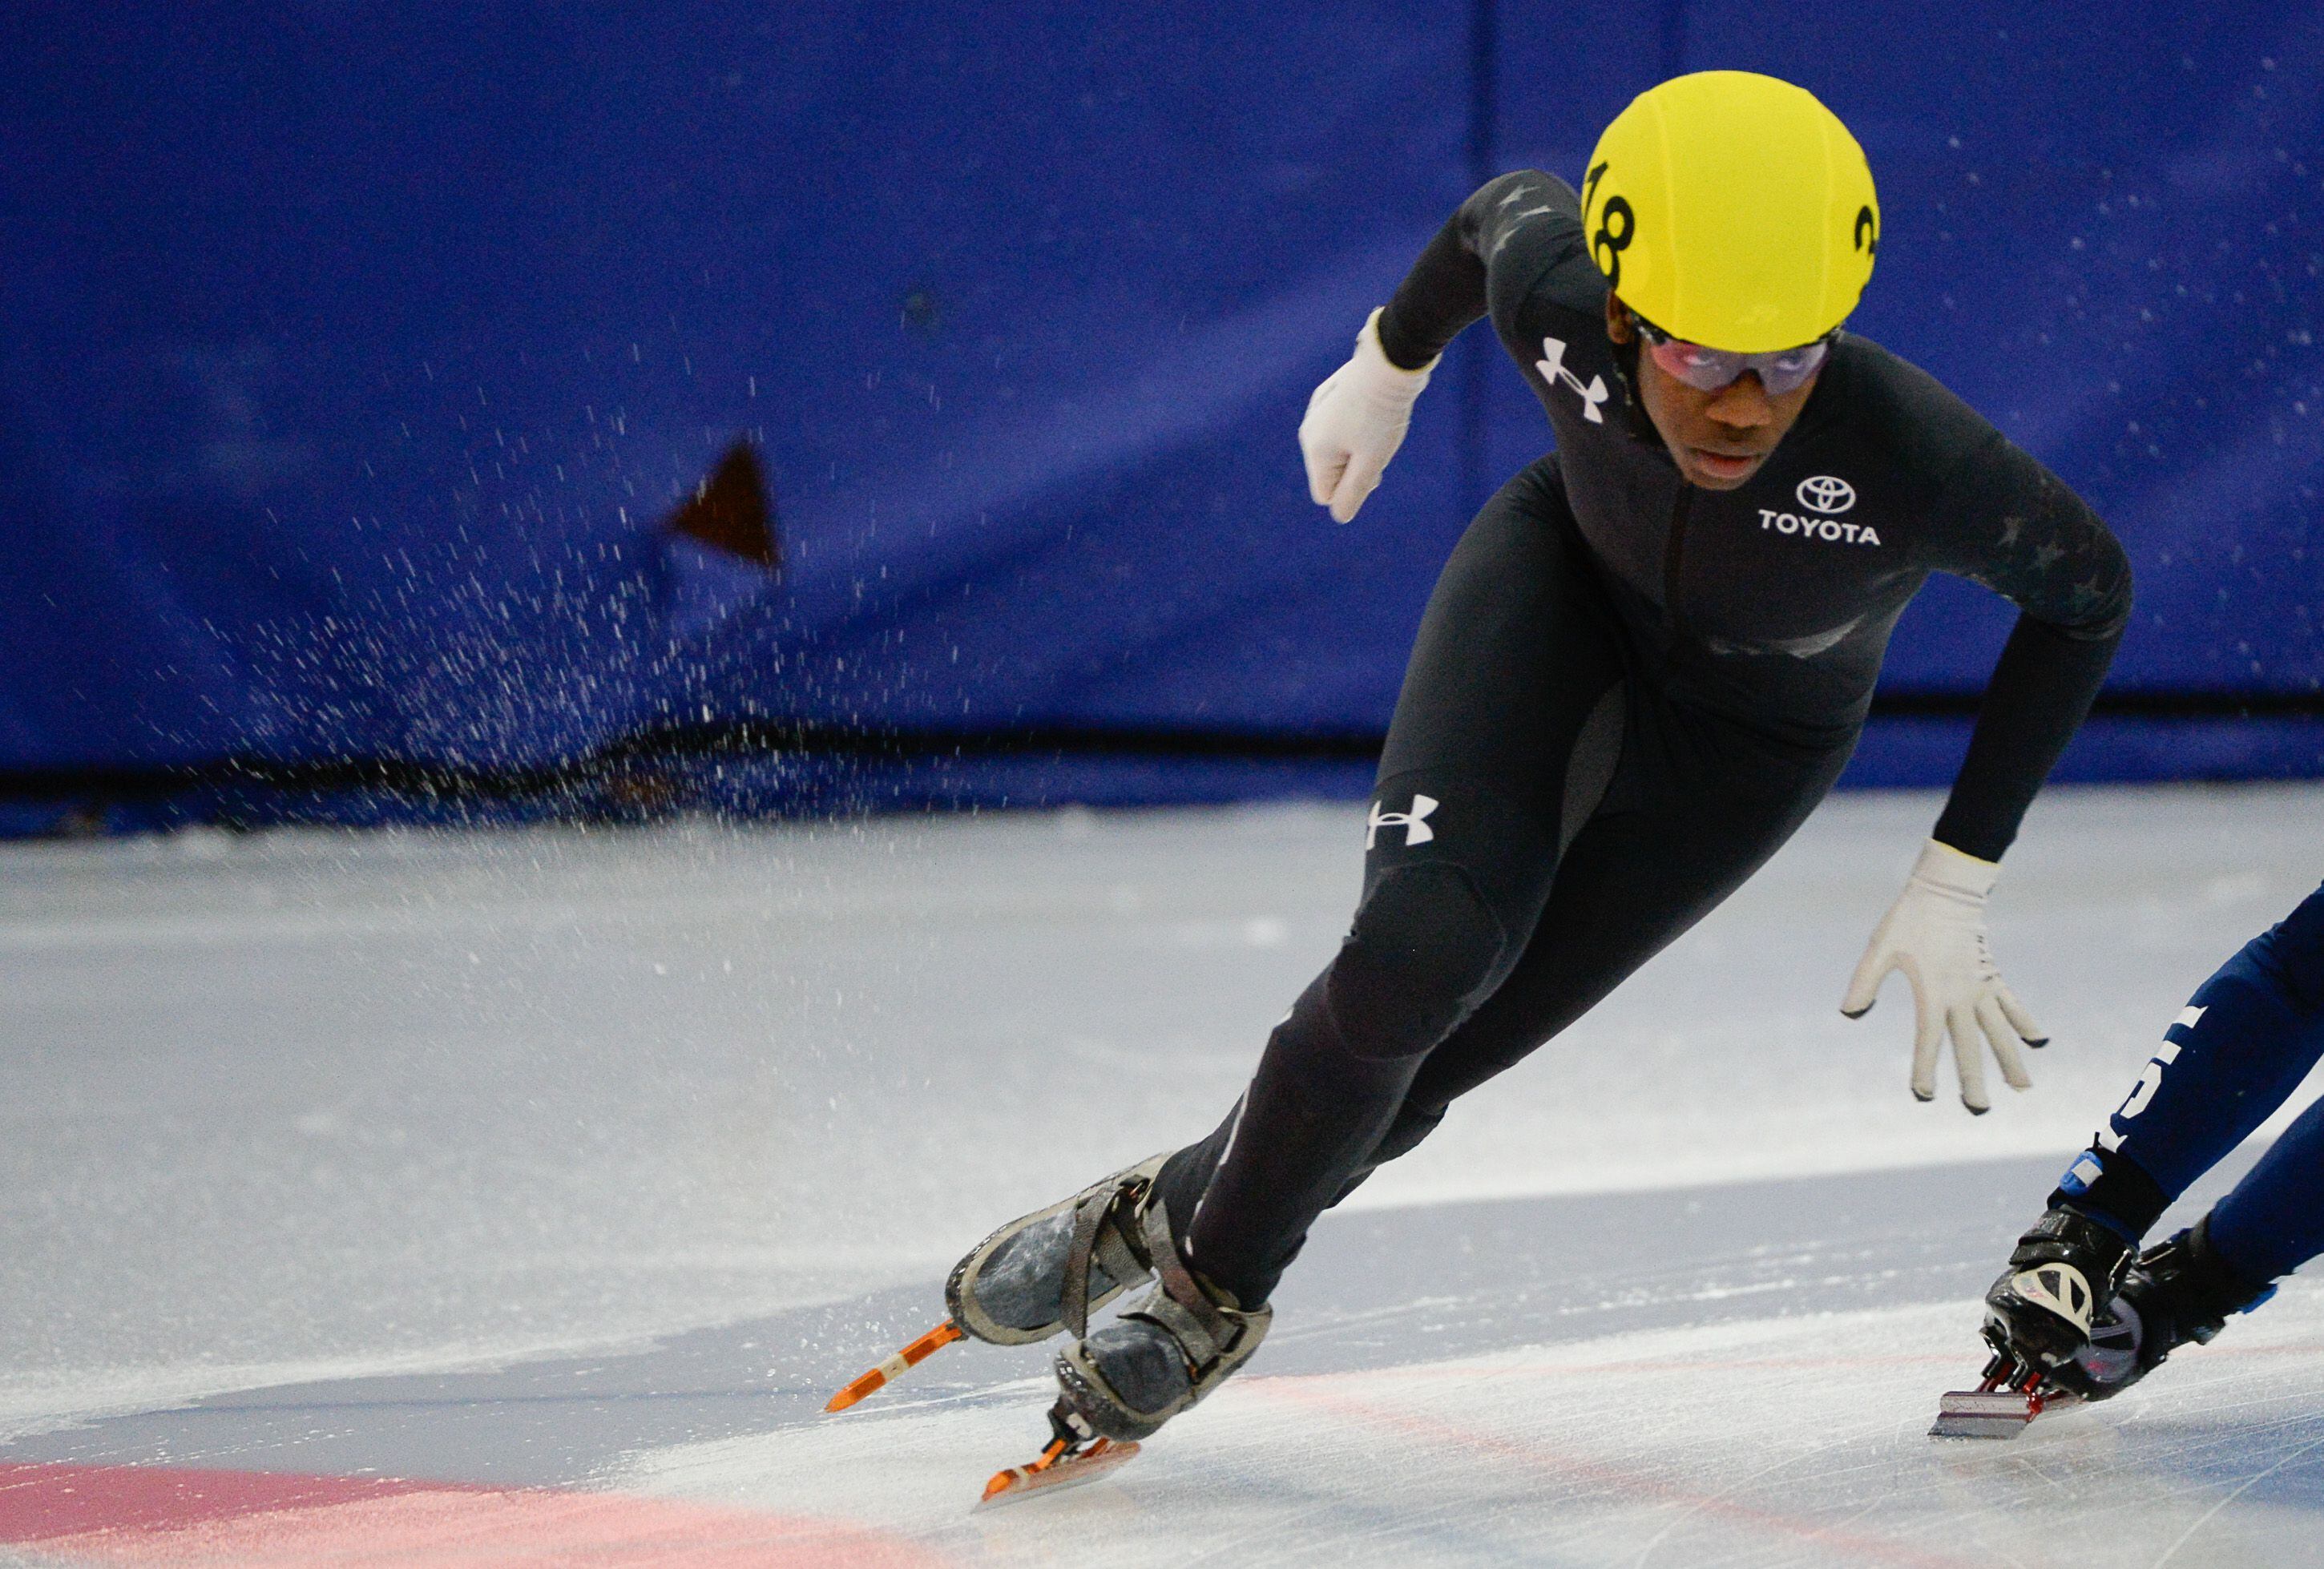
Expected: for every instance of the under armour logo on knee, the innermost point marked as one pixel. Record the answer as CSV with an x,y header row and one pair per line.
x,y
1415,823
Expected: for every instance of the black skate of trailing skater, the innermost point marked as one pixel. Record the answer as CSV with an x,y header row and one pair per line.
x,y
2177,1292
2061,1273
2038,1318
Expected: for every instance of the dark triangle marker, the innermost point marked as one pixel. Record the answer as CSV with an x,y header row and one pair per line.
x,y
731,511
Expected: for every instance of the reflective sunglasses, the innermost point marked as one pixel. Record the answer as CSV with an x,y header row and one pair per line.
x,y
1713,370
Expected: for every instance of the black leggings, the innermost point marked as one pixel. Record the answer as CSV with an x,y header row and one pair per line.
x,y
1549,817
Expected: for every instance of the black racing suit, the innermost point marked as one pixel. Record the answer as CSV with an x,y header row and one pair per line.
x,y
1627,693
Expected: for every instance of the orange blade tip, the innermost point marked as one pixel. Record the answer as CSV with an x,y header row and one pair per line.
x,y
912,1355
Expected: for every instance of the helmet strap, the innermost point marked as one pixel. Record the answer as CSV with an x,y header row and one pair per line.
x,y
1634,406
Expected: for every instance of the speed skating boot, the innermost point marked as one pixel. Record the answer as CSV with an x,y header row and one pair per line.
x,y
2039,1312
2174,1293
1047,1271
1181,1340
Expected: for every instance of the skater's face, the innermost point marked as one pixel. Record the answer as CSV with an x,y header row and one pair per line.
x,y
1718,439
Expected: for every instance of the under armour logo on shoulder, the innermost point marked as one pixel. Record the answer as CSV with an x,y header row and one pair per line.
x,y
1552,366
1415,823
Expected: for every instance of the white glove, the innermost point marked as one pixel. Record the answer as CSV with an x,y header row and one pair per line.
x,y
1355,422
1935,934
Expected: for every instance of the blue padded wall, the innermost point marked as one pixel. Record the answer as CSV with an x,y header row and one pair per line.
x,y
353,355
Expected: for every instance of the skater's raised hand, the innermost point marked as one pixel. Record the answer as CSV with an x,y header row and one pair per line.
x,y
1935,934
1355,422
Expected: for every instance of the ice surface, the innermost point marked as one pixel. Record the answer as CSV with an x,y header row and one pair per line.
x,y
553,1157
1767,1441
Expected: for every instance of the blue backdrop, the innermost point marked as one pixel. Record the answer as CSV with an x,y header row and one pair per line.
x,y
353,356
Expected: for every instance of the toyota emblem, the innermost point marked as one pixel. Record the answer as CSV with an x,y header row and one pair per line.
x,y
1826,493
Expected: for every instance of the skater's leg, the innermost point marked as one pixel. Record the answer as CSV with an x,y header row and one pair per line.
x,y
2248,1036
2073,1299
1698,805
2272,1221
1513,701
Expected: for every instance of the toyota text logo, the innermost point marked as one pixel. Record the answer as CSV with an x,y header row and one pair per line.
x,y
1826,493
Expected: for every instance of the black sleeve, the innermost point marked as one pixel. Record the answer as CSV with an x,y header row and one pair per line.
x,y
1523,221
2019,530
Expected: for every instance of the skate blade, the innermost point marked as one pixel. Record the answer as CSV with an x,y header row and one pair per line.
x,y
1056,1469
911,1356
1985,1412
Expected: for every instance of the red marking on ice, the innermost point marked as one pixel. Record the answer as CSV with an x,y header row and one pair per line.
x,y
126,1514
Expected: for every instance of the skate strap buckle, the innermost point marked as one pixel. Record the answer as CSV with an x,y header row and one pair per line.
x,y
1182,1306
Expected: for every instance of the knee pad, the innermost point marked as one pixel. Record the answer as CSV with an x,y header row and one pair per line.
x,y
1424,949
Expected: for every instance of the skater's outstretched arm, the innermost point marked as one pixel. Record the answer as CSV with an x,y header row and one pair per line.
x,y
2006,522
1496,248
1501,241
2018,530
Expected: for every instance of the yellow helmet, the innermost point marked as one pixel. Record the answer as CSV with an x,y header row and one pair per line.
x,y
1733,210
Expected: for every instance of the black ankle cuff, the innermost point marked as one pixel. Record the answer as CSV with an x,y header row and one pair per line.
x,y
2122,1195
2224,1288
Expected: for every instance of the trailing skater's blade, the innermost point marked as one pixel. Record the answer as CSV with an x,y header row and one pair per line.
x,y
1985,1414
2011,1395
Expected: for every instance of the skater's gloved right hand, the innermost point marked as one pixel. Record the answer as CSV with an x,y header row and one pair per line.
x,y
1355,422
1935,934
